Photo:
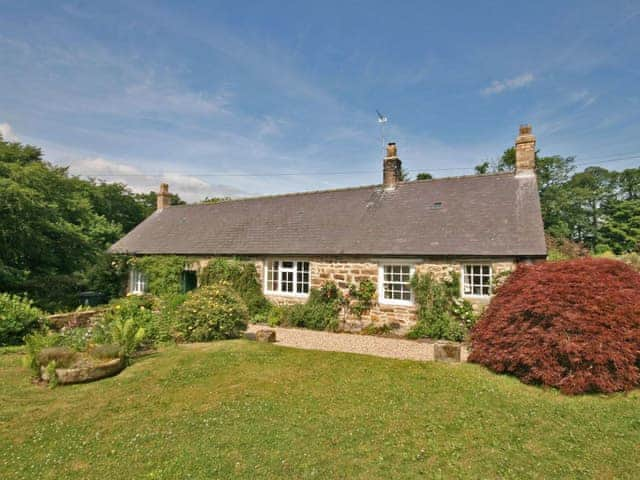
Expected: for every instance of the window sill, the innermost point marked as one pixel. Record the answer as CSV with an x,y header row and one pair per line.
x,y
397,303
286,294
478,298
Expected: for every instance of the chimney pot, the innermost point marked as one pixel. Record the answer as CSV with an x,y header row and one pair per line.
x,y
525,151
163,197
391,167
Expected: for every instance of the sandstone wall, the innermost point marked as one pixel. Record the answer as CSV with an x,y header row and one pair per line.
x,y
347,270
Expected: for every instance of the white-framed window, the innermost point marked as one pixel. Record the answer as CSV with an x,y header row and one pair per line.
x,y
476,280
137,282
394,283
286,277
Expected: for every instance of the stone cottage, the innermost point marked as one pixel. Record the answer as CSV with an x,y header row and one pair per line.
x,y
478,226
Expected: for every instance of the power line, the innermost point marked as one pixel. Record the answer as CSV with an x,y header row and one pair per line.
x,y
305,174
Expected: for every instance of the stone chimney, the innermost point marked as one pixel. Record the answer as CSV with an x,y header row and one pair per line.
x,y
163,197
525,151
391,168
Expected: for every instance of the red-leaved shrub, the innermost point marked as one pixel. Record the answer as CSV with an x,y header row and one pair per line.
x,y
574,325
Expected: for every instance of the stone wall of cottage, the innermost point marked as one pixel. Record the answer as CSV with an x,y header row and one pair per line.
x,y
347,270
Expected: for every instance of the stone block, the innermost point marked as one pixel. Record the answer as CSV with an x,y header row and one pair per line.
x,y
266,335
446,351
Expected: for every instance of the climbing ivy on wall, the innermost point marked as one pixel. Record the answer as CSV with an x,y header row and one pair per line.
x,y
163,272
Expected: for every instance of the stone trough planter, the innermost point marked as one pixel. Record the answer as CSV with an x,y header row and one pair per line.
x,y
87,373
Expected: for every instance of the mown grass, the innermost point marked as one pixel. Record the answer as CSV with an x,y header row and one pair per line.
x,y
245,410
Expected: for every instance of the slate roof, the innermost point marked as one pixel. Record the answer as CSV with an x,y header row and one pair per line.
x,y
488,215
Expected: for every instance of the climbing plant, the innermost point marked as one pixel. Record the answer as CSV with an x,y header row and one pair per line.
x,y
442,314
361,297
163,272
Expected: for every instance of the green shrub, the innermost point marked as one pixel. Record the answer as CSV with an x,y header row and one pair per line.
x,y
242,277
34,343
320,312
18,317
441,313
213,312
104,352
276,315
371,329
62,356
162,330
140,309
315,316
51,373
76,338
128,335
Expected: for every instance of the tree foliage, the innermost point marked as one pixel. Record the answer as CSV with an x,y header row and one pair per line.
x,y
55,228
596,207
574,325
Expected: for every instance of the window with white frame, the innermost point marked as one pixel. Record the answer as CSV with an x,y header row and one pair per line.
x,y
394,283
476,280
287,277
137,282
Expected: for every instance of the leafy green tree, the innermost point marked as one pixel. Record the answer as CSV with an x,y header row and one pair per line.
x,y
55,228
424,176
404,175
482,168
148,201
590,191
629,184
620,229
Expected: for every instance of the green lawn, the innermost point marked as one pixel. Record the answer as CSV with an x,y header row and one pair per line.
x,y
240,409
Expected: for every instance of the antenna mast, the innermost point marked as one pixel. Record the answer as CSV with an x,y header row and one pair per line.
x,y
381,121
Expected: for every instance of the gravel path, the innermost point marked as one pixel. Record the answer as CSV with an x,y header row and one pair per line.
x,y
350,342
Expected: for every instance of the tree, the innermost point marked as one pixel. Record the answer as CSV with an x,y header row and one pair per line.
x,y
620,229
629,184
403,175
483,168
424,176
507,162
149,201
590,191
55,228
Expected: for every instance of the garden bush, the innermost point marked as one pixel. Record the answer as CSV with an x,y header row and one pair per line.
x,y
442,314
141,310
34,343
242,277
213,312
127,335
574,325
321,311
18,317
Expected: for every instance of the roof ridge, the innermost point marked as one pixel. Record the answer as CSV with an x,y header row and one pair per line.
x,y
342,189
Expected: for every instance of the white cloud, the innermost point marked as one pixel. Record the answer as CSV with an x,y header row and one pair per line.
x,y
151,97
190,188
499,86
7,133
583,98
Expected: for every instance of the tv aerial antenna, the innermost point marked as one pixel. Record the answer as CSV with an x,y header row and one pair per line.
x,y
381,121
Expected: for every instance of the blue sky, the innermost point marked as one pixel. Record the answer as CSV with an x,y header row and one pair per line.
x,y
144,92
